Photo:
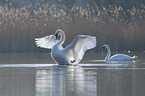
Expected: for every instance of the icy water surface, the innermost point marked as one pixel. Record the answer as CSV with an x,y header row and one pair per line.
x,y
36,74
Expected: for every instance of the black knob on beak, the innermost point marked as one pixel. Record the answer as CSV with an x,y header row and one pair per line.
x,y
103,48
56,35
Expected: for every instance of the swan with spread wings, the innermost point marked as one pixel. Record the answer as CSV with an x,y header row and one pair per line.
x,y
73,53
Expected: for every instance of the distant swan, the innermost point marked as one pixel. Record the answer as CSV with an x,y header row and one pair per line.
x,y
117,57
73,53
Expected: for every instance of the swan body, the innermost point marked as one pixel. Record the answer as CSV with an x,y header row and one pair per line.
x,y
73,53
117,57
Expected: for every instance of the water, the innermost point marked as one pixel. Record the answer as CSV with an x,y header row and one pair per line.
x,y
36,74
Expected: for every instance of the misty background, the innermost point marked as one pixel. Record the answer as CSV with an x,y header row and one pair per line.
x,y
118,23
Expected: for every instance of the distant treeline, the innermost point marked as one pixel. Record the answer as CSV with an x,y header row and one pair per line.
x,y
121,24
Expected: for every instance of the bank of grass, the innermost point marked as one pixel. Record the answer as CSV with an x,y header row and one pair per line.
x,y
122,30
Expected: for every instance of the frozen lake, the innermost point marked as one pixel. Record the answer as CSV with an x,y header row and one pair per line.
x,y
36,74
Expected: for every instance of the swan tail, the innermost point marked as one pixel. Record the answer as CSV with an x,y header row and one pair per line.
x,y
134,57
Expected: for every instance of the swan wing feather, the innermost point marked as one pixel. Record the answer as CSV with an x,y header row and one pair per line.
x,y
46,42
76,49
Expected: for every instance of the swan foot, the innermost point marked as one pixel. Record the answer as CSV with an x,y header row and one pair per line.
x,y
72,61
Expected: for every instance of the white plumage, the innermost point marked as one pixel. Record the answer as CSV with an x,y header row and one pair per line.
x,y
46,42
73,53
116,57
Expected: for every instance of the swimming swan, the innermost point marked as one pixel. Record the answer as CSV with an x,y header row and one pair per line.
x,y
73,53
117,57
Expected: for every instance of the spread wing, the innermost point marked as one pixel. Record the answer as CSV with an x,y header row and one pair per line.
x,y
46,42
76,49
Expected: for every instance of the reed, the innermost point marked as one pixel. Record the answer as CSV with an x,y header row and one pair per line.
x,y
121,29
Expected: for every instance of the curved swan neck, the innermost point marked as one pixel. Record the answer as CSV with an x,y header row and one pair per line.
x,y
108,53
62,38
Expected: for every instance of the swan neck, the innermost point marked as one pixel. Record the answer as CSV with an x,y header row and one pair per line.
x,y
108,53
62,38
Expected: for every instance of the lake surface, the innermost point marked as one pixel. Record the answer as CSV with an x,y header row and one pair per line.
x,y
36,74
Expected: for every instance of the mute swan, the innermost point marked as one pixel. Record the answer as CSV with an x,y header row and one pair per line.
x,y
117,57
73,53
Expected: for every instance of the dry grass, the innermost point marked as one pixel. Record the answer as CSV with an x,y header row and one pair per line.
x,y
122,30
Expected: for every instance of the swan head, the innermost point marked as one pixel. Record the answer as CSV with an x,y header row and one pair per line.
x,y
105,46
58,32
108,51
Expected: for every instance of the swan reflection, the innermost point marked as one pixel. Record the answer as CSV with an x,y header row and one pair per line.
x,y
65,81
